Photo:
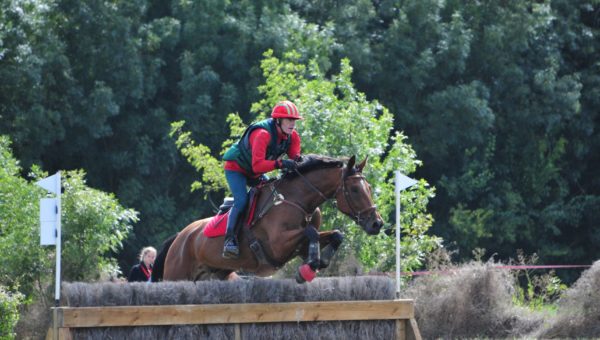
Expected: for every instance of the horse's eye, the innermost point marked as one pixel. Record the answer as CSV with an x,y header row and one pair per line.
x,y
354,190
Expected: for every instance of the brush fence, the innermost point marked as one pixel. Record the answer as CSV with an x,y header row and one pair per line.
x,y
251,309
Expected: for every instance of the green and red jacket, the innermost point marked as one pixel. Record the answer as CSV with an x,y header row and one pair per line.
x,y
260,149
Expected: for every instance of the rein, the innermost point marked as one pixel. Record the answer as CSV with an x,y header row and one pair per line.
x,y
307,215
310,185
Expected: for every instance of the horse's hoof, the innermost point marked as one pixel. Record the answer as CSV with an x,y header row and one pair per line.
x,y
233,276
299,278
305,274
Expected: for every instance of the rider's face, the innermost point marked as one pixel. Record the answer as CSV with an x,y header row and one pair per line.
x,y
288,125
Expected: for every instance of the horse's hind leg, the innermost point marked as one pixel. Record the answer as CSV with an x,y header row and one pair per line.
x,y
204,273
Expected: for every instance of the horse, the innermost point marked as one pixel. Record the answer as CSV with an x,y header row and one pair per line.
x,y
286,225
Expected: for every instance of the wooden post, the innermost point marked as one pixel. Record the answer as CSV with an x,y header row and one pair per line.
x,y
400,329
55,323
238,332
61,334
413,330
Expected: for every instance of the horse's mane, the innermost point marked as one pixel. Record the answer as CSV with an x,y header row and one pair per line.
x,y
315,162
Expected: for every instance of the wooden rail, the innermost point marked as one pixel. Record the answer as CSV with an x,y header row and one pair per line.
x,y
162,315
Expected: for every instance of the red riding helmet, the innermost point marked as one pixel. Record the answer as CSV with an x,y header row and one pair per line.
x,y
285,109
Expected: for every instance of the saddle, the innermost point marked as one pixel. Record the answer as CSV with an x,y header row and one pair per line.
x,y
217,225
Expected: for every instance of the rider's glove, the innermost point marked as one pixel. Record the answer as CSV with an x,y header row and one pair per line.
x,y
288,164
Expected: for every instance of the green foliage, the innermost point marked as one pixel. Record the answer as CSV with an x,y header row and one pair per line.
x,y
499,112
536,291
9,312
96,85
499,100
29,263
470,225
93,226
343,122
199,156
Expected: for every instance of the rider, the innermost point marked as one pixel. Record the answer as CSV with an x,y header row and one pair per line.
x,y
259,151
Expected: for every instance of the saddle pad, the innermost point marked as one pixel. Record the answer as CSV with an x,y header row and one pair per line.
x,y
216,226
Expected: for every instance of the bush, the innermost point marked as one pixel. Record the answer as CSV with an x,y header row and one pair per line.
x,y
470,300
9,312
578,309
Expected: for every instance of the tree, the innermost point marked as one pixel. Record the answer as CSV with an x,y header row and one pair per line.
x,y
95,85
491,96
340,120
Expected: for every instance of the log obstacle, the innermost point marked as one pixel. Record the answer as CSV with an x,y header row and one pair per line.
x,y
400,310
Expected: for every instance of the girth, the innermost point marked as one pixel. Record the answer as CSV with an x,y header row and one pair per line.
x,y
258,251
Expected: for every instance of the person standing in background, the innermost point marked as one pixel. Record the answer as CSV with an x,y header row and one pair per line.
x,y
142,272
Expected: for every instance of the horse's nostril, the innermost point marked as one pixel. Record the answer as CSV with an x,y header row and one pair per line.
x,y
375,227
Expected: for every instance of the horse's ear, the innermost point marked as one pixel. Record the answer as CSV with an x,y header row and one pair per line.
x,y
350,166
362,164
351,163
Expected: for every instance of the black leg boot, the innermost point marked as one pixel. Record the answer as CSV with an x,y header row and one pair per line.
x,y
230,246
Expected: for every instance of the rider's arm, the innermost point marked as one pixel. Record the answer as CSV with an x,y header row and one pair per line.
x,y
259,140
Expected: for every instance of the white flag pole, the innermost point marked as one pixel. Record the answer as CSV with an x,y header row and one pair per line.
x,y
50,220
397,234
402,182
58,240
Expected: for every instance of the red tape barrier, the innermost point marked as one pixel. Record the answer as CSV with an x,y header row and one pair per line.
x,y
521,267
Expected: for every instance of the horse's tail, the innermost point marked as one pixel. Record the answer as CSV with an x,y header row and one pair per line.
x,y
159,263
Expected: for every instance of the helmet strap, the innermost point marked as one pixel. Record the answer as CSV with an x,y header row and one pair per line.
x,y
278,123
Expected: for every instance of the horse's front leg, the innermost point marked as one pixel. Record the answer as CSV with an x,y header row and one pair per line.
x,y
330,241
309,269
320,249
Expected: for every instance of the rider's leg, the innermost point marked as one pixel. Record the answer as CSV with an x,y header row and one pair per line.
x,y
237,184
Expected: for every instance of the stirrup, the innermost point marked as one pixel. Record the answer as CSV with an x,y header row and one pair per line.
x,y
231,253
230,249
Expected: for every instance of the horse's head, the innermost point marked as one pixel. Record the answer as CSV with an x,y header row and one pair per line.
x,y
354,198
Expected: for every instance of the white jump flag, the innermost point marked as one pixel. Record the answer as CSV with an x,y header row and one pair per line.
x,y
402,182
51,183
49,208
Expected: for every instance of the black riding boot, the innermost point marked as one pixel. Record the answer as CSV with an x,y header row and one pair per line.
x,y
230,247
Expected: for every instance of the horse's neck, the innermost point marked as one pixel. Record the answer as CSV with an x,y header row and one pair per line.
x,y
323,182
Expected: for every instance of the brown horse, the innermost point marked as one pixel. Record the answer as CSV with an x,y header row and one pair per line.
x,y
287,225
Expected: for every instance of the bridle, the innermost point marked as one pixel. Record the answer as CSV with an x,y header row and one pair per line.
x,y
355,214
